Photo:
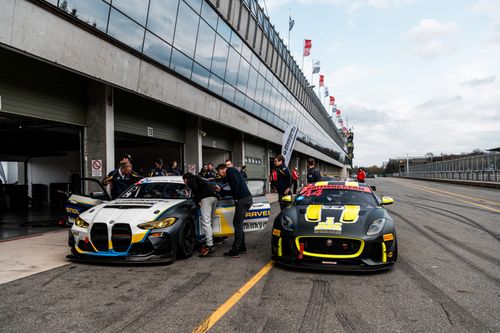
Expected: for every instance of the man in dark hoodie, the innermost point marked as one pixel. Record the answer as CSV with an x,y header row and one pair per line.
x,y
205,198
243,201
284,179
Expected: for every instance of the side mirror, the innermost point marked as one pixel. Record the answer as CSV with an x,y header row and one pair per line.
x,y
374,188
387,201
287,198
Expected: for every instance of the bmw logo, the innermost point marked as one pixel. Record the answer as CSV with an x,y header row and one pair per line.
x,y
329,242
112,221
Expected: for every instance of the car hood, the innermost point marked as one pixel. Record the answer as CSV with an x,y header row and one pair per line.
x,y
355,220
132,211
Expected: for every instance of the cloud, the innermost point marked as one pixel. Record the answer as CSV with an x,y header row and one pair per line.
x,y
479,82
351,5
354,72
431,38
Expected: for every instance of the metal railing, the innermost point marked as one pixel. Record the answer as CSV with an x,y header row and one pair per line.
x,y
484,167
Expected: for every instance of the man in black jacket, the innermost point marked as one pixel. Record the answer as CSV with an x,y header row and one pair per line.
x,y
284,180
205,198
243,201
313,174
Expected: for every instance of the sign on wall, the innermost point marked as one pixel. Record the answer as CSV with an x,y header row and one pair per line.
x,y
96,168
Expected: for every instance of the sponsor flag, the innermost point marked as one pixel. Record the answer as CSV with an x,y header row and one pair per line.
x,y
316,66
291,23
338,113
332,100
327,93
289,142
307,47
321,80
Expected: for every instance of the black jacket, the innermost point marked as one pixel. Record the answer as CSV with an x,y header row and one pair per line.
x,y
313,175
201,188
239,188
284,179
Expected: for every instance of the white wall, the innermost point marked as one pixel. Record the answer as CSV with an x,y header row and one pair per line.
x,y
56,169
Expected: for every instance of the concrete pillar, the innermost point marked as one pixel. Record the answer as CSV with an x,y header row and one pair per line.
x,y
193,145
99,134
344,172
238,155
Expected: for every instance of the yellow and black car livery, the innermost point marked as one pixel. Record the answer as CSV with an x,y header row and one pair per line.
x,y
338,225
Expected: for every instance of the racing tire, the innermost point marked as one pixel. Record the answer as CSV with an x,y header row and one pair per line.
x,y
186,240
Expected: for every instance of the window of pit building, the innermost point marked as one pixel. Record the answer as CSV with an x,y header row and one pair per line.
x,y
92,12
161,19
195,4
209,15
135,9
186,30
219,59
205,44
200,75
157,49
125,30
181,63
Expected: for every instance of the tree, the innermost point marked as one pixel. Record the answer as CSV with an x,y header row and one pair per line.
x,y
392,166
64,6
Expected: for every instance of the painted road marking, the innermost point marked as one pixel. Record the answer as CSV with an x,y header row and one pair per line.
x,y
461,195
427,189
231,301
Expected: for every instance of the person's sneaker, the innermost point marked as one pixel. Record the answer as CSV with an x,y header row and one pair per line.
x,y
205,251
231,254
243,250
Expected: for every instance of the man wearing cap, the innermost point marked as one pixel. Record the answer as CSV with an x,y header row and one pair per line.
x,y
243,201
158,170
120,179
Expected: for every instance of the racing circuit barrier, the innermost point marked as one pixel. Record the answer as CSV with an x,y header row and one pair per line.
x,y
483,168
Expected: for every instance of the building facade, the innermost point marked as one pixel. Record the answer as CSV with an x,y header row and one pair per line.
x,y
188,80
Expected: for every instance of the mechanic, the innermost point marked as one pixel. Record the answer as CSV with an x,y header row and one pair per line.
x,y
361,175
313,174
203,171
228,163
158,170
172,169
243,171
243,201
295,180
205,198
210,172
121,179
284,179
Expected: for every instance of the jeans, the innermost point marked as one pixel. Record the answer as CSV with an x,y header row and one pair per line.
x,y
241,209
208,206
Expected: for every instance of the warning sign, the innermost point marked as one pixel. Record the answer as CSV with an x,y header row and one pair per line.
x,y
96,168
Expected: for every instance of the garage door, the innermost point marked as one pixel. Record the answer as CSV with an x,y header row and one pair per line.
x,y
35,89
139,116
255,159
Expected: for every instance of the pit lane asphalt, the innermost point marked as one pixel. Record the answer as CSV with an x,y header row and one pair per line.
x,y
447,279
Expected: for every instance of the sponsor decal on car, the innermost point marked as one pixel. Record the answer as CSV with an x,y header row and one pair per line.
x,y
328,227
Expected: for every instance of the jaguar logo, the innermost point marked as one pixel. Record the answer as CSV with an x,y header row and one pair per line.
x,y
112,221
329,242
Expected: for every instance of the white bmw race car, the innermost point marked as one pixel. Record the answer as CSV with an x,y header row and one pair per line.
x,y
155,220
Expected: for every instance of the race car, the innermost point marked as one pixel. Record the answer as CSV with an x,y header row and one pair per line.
x,y
335,225
155,220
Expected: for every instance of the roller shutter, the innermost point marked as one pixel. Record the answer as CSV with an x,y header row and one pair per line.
x,y
255,160
134,115
35,89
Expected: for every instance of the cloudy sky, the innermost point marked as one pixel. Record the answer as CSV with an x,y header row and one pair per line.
x,y
412,76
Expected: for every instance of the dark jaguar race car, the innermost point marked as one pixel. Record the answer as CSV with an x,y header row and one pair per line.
x,y
337,225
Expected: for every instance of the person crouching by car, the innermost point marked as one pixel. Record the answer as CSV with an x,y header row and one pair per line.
x,y
121,179
243,201
206,199
284,179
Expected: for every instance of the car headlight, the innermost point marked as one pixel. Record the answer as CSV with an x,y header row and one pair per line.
x,y
376,227
158,224
81,223
287,223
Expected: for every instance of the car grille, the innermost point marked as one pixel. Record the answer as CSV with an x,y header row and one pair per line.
x,y
331,245
121,236
99,236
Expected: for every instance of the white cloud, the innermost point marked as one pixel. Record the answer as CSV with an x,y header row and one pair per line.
x,y
353,73
351,5
431,38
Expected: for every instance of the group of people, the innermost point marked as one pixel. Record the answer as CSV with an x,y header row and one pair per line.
x,y
206,191
206,196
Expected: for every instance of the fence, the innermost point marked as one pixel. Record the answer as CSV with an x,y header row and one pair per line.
x,y
484,167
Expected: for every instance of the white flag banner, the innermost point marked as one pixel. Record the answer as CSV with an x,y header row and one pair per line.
x,y
289,139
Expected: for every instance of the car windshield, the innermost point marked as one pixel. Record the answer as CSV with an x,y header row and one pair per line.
x,y
157,191
336,195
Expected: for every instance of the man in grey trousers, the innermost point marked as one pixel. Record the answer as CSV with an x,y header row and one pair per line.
x,y
206,199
